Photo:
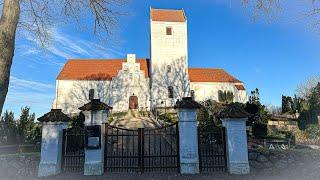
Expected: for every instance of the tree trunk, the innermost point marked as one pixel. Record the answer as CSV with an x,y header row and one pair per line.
x,y
8,25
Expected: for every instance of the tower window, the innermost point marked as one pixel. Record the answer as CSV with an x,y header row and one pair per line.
x,y
169,30
169,69
170,92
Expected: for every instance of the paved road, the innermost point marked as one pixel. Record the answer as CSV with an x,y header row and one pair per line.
x,y
134,176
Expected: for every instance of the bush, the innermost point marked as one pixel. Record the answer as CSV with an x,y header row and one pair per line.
x,y
281,135
313,131
259,130
168,118
110,120
78,121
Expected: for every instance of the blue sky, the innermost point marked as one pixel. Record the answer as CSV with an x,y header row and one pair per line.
x,y
273,55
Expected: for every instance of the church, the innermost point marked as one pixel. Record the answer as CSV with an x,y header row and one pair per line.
x,y
146,83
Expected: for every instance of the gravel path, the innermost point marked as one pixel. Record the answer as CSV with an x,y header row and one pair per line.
x,y
134,120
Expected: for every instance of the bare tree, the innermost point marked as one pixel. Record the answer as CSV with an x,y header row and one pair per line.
x,y
305,88
309,9
38,16
263,7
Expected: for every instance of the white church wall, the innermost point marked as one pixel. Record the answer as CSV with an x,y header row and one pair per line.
x,y
130,81
169,50
72,94
209,90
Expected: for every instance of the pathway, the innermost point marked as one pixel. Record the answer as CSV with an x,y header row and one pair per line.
x,y
134,120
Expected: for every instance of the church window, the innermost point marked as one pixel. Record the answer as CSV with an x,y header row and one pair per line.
x,y
192,94
169,69
169,30
170,92
91,94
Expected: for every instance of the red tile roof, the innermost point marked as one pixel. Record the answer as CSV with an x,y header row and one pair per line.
x,y
240,87
96,69
169,15
106,69
210,75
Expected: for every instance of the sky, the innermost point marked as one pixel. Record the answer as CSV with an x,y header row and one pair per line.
x,y
273,54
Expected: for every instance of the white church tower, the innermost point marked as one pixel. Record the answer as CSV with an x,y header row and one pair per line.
x,y
169,57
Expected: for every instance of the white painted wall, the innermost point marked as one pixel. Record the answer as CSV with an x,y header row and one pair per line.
x,y
72,94
209,90
130,81
169,50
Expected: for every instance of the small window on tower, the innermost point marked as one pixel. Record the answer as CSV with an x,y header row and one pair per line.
x,y
169,69
169,30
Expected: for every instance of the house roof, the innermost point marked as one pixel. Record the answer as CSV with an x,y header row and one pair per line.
x,y
103,69
240,87
168,15
96,69
211,75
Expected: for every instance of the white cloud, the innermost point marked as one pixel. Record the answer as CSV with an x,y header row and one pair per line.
x,y
17,83
39,96
65,46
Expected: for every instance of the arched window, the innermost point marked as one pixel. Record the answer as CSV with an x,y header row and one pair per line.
x,y
192,94
91,94
169,30
168,69
170,92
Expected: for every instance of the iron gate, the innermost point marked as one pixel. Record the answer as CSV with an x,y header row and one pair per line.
x,y
142,150
212,150
73,149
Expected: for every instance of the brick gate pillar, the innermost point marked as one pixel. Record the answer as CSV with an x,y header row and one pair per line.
x,y
234,120
53,124
96,114
188,135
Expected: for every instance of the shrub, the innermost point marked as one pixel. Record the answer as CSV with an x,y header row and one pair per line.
x,y
110,119
78,121
167,118
259,130
313,131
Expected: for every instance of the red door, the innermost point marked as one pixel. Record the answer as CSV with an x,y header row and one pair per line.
x,y
133,102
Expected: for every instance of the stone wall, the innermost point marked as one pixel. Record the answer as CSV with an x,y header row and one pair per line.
x,y
19,165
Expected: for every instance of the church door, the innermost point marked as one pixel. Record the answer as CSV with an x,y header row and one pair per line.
x,y
133,102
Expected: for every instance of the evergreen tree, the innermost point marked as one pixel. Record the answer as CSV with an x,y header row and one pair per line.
x,y
8,128
255,97
25,125
287,104
314,104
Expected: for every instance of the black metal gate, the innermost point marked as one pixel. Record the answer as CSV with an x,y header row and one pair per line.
x,y
73,149
142,150
212,150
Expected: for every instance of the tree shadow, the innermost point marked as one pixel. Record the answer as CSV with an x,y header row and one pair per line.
x,y
114,91
175,75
